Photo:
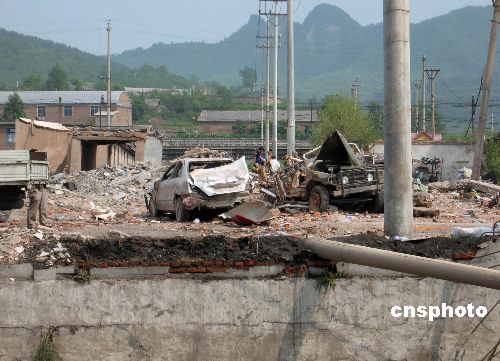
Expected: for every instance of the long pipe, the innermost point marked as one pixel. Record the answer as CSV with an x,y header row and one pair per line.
x,y
399,262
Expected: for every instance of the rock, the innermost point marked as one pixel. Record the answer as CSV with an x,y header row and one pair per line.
x,y
425,212
119,196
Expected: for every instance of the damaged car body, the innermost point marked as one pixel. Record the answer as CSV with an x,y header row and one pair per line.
x,y
339,175
195,184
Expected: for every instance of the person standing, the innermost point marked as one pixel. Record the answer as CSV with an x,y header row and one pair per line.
x,y
38,204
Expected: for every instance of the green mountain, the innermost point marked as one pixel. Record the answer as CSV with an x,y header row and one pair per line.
x,y
332,48
23,56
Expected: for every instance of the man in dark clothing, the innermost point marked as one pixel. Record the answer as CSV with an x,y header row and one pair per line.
x,y
38,204
260,156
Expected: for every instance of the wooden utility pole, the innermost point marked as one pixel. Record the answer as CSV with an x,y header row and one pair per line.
x,y
398,201
490,65
432,74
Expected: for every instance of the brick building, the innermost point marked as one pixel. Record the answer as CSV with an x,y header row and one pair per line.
x,y
224,122
74,107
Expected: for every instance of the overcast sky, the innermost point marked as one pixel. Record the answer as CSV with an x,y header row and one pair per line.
x,y
82,23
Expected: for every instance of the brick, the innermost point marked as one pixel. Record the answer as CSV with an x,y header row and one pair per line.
x,y
175,264
216,269
165,264
265,263
196,270
207,263
186,263
227,263
178,270
238,264
250,262
103,265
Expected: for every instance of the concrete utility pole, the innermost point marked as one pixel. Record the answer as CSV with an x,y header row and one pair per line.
x,y
108,78
290,145
355,89
424,90
490,64
417,119
432,74
398,201
268,69
492,122
473,113
275,90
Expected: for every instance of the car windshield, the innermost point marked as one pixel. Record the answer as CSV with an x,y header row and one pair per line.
x,y
207,164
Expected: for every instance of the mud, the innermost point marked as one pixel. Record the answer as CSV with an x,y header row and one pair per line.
x,y
435,247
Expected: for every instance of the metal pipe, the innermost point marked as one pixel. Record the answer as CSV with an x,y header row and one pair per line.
x,y
399,262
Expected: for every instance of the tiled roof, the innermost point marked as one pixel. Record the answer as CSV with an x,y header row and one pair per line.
x,y
253,115
67,97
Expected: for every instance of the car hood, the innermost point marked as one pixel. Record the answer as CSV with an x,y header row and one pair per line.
x,y
336,149
229,178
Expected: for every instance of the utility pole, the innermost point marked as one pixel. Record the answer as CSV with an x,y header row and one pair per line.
x,y
275,90
473,113
268,69
355,89
432,74
490,64
398,202
417,119
108,78
424,76
492,122
267,46
290,145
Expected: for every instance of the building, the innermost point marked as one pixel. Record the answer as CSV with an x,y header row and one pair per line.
x,y
224,122
75,149
7,135
74,108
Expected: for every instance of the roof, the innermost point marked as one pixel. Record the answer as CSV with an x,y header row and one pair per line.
x,y
67,97
44,125
253,115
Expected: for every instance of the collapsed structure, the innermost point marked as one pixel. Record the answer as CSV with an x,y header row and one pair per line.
x,y
74,149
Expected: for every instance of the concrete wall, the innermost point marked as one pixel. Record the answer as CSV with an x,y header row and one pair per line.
x,y
54,142
453,155
152,151
278,320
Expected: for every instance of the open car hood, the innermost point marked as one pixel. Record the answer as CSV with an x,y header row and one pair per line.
x,y
229,178
336,149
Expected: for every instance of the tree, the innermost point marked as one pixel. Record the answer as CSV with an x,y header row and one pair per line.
x,y
344,114
376,117
57,79
76,84
14,108
248,76
32,82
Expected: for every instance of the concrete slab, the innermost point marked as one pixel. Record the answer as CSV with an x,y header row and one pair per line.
x,y
358,270
48,274
127,272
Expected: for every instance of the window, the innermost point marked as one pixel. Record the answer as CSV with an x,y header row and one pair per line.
x,y
68,111
40,111
94,109
11,135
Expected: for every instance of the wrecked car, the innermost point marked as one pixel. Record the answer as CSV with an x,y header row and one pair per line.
x,y
195,184
338,176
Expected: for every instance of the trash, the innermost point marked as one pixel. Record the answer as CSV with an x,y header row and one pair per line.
x,y
60,218
400,238
19,249
4,216
417,185
39,235
119,196
250,213
105,216
475,232
196,221
425,212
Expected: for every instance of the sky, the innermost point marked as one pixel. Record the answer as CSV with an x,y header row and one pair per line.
x,y
82,24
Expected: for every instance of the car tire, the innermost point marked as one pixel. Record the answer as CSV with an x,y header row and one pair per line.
x,y
181,213
152,207
378,202
319,199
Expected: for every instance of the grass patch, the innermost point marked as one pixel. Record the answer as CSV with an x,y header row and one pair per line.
x,y
47,349
328,281
82,276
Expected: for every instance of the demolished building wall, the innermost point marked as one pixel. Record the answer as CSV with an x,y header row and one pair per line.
x,y
52,138
454,155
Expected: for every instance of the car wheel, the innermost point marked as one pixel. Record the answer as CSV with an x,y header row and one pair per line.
x,y
181,213
152,207
319,199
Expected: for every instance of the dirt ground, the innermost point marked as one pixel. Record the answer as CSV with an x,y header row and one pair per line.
x,y
128,232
